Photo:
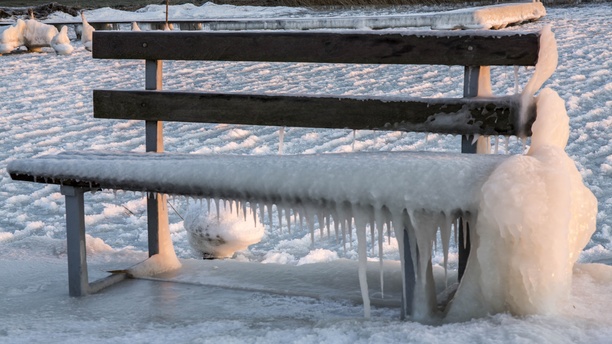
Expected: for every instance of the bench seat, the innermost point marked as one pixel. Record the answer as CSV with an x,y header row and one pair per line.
x,y
296,179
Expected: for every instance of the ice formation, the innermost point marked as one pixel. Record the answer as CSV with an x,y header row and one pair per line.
x,y
61,43
218,232
166,259
489,17
34,35
86,33
535,216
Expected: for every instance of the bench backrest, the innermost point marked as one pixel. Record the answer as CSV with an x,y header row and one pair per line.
x,y
471,49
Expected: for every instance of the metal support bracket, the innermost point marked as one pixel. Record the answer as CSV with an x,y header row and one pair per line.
x,y
78,279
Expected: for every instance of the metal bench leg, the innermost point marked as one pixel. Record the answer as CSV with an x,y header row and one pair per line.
x,y
409,279
78,281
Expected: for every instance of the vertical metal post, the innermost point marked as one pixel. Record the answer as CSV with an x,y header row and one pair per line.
x,y
409,278
470,90
468,145
78,280
154,143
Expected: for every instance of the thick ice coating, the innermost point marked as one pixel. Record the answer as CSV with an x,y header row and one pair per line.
x,y
534,218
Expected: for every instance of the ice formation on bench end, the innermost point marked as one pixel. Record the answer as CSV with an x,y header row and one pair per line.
x,y
534,218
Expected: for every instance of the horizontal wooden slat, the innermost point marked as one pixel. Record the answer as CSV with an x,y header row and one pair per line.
x,y
464,48
495,116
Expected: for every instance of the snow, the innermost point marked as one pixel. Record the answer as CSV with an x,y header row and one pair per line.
x,y
50,111
34,35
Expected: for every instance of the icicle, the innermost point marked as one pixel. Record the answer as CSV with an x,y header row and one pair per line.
x,y
217,206
279,214
445,234
353,144
336,224
506,144
269,208
281,140
360,226
254,211
244,210
321,222
370,223
342,224
423,224
378,225
310,223
262,212
287,211
524,144
301,220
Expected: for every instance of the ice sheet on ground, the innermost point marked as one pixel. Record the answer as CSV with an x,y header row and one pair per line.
x,y
336,280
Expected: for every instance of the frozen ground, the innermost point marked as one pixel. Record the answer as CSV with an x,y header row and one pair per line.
x,y
45,107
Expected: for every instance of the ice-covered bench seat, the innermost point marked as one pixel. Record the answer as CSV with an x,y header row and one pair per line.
x,y
397,183
269,179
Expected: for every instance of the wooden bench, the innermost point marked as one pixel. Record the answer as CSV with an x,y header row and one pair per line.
x,y
469,116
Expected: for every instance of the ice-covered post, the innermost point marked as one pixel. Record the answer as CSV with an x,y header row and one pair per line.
x,y
468,145
157,211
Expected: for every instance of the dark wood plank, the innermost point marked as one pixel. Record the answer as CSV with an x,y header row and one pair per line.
x,y
464,48
497,116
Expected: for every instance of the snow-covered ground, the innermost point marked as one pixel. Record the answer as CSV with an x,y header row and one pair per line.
x,y
45,107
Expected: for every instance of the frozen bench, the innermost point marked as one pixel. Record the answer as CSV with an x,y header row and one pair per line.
x,y
470,116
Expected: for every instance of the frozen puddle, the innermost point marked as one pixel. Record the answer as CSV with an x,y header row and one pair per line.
x,y
336,280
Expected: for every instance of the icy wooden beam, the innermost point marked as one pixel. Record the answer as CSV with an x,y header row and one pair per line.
x,y
311,179
463,48
497,116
